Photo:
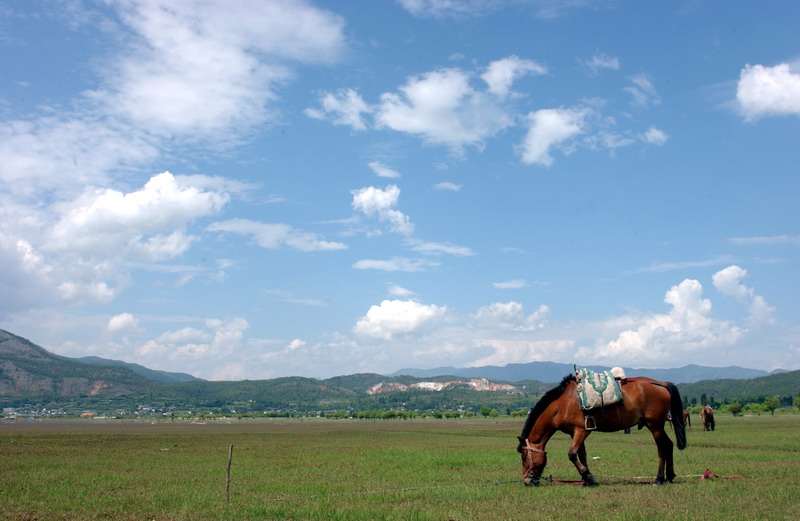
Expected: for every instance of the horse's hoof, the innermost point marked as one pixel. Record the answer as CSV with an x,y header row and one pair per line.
x,y
588,481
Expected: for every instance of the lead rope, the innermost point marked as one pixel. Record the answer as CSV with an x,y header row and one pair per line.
x,y
391,491
706,475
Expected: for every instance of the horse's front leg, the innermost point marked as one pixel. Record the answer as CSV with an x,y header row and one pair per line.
x,y
577,455
582,455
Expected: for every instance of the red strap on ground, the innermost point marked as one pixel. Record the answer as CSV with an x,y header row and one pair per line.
x,y
572,481
708,474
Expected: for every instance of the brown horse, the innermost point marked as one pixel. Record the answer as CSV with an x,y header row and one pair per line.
x,y
687,418
708,418
645,403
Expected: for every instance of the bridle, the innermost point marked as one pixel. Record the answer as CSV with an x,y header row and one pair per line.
x,y
534,480
531,448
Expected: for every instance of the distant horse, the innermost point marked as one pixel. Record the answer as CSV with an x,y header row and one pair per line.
x,y
708,418
687,419
645,403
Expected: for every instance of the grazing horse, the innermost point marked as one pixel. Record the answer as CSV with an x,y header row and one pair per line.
x,y
687,418
645,403
708,418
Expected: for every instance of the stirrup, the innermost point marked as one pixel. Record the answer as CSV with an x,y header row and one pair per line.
x,y
589,423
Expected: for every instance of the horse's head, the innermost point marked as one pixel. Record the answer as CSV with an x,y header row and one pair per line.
x,y
533,461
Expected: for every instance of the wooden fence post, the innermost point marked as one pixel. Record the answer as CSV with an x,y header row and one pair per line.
x,y
228,477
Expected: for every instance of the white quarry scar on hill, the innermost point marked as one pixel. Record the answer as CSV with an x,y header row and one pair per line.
x,y
476,384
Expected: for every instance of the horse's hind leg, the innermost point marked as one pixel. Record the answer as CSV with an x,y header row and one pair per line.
x,y
670,461
666,471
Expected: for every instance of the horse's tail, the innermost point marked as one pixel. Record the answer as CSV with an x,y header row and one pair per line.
x,y
676,408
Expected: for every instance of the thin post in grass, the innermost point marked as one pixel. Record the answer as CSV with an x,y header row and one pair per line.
x,y
228,476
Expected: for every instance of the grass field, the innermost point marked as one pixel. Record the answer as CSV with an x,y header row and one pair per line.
x,y
383,470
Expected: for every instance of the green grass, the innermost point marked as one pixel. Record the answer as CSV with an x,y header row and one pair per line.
x,y
383,470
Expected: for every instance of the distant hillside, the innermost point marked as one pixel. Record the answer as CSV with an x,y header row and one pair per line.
x,y
30,374
150,374
289,393
554,372
785,384
27,369
343,393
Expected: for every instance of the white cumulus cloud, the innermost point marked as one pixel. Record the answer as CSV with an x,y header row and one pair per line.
x,y
511,284
399,291
768,91
80,250
655,136
395,264
147,224
602,61
190,349
344,107
382,170
460,108
513,351
379,204
445,8
665,338
275,235
122,322
729,282
444,109
438,248
643,92
399,317
501,74
447,185
185,72
548,128
197,67
510,316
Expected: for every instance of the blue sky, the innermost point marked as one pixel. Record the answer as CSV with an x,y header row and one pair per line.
x,y
261,189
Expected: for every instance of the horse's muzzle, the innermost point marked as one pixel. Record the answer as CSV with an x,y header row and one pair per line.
x,y
531,481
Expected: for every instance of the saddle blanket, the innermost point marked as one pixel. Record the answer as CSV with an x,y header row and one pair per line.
x,y
599,389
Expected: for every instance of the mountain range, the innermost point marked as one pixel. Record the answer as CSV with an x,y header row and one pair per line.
x,y
30,373
28,368
553,372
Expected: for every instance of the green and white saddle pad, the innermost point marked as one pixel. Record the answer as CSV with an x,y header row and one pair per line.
x,y
597,389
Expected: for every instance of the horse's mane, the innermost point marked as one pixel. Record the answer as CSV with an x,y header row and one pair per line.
x,y
536,411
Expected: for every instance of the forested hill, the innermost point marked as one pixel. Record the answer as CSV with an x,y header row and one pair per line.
x,y
31,374
785,385
29,370
553,372
26,368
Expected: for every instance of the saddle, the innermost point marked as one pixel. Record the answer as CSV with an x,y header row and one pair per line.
x,y
599,389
